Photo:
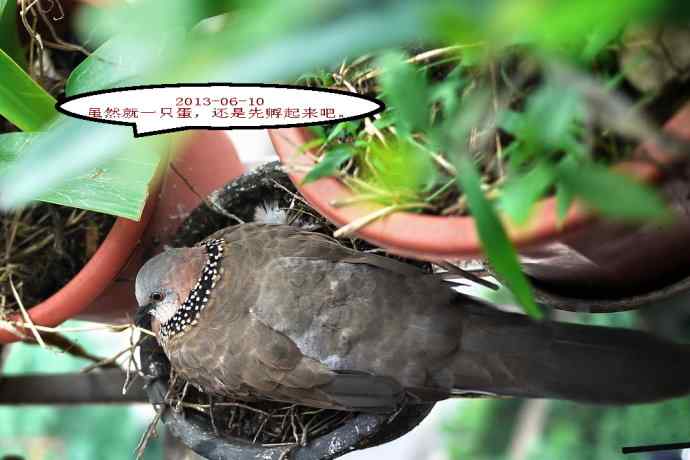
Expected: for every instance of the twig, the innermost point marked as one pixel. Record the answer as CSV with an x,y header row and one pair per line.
x,y
211,415
105,362
420,57
294,427
131,362
25,315
260,429
148,434
210,203
499,147
367,219
112,327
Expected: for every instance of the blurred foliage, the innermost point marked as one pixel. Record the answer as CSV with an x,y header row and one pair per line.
x,y
531,137
482,430
107,432
141,45
170,41
9,39
118,187
22,101
499,251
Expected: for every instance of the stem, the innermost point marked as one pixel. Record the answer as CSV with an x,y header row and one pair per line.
x,y
357,224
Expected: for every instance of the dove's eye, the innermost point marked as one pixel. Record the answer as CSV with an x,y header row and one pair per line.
x,y
156,296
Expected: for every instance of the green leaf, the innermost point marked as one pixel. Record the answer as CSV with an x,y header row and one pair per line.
x,y
598,39
613,194
9,37
553,25
520,193
118,187
317,130
123,61
447,92
317,142
22,101
564,199
385,120
345,128
251,49
329,164
552,112
498,248
513,122
401,167
404,88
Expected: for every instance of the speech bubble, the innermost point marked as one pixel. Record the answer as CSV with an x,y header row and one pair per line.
x,y
157,109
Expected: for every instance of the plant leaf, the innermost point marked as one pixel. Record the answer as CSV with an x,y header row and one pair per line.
x,y
22,101
401,167
611,193
446,92
519,194
316,142
513,122
345,127
9,37
498,248
405,89
123,61
329,164
552,112
598,39
564,199
118,187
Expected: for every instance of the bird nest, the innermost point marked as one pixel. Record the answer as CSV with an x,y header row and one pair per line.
x,y
223,428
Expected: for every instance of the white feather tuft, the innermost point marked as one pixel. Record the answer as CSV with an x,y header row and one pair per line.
x,y
270,213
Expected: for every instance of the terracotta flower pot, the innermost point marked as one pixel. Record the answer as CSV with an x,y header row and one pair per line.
x,y
93,278
583,251
104,289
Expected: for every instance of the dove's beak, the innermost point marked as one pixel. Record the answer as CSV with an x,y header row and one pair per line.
x,y
142,317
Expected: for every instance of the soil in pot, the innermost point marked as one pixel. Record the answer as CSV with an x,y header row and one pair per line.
x,y
44,246
266,428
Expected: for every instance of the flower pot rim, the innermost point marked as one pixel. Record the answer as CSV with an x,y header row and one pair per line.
x,y
93,278
433,237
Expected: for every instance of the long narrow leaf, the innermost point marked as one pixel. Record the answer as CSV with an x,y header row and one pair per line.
x,y
564,198
9,36
405,89
118,187
22,101
612,193
497,247
329,164
521,193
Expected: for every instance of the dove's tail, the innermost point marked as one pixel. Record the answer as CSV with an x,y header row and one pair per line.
x,y
511,355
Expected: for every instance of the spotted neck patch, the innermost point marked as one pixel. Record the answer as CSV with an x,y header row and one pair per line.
x,y
188,313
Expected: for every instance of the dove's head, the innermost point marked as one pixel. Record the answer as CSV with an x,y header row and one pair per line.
x,y
174,287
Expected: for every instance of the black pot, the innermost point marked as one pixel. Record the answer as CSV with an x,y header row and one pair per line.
x,y
240,198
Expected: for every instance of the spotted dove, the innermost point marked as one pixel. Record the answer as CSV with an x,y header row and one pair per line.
x,y
274,312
